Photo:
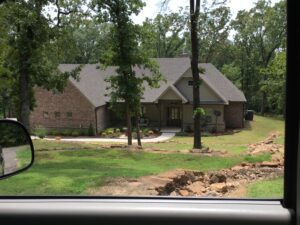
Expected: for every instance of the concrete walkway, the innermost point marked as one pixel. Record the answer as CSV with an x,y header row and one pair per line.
x,y
166,135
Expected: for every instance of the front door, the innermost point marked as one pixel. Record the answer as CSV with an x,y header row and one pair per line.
x,y
173,116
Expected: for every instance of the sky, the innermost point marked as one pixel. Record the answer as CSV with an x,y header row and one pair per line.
x,y
153,7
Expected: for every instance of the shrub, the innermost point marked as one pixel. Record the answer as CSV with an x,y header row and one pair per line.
x,y
91,130
123,129
40,131
145,130
66,132
84,132
109,131
188,129
55,132
182,134
150,132
75,133
117,130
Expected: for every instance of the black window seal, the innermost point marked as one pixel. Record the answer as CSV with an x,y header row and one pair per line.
x,y
292,108
291,128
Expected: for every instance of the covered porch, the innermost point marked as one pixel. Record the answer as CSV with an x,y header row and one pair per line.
x,y
167,110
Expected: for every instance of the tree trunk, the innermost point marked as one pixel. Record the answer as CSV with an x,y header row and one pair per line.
x,y
138,133
194,17
24,98
263,103
129,125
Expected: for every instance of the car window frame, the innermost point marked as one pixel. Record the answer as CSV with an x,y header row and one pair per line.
x,y
290,201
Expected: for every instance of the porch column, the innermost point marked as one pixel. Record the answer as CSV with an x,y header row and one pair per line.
x,y
182,117
160,114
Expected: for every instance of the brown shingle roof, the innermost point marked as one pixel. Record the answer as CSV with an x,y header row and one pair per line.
x,y
93,86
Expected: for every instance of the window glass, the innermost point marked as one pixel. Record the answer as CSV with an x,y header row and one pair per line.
x,y
57,115
45,115
112,109
69,114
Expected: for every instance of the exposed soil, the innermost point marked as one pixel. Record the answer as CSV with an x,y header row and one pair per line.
x,y
227,182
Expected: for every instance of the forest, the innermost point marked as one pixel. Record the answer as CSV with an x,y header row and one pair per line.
x,y
38,35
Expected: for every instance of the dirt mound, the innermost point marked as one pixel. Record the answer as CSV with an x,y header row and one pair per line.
x,y
192,183
217,184
269,146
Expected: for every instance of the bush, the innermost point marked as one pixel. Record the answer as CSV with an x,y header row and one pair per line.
x,y
84,132
91,130
55,132
66,132
150,132
117,130
40,131
182,134
188,129
75,133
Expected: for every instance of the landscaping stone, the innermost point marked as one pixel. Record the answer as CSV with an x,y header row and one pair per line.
x,y
219,187
197,188
184,193
217,178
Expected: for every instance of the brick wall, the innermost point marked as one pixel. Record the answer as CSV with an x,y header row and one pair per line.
x,y
103,118
70,109
234,115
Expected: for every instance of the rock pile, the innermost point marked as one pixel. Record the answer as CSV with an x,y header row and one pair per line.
x,y
217,184
268,146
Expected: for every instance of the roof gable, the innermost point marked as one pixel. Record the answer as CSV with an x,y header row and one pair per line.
x,y
171,93
92,81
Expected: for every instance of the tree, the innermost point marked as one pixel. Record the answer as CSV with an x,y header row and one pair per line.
x,y
164,35
213,32
32,34
274,84
126,86
86,42
260,32
194,19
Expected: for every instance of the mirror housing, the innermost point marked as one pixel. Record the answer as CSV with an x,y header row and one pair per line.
x,y
16,148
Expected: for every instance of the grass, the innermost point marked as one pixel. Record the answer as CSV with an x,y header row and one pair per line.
x,y
254,131
24,156
266,189
44,145
74,172
64,168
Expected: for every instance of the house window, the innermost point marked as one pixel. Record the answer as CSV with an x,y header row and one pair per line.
x,y
57,115
69,115
45,115
190,83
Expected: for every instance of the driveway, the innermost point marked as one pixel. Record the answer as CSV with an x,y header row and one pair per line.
x,y
10,159
165,135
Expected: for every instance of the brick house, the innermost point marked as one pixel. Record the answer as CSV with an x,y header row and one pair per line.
x,y
84,102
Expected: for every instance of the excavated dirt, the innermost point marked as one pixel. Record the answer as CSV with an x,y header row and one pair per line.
x,y
227,182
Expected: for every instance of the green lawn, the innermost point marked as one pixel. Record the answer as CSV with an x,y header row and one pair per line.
x,y
24,156
266,189
73,172
63,168
255,131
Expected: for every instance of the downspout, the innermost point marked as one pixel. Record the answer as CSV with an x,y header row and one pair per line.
x,y
96,119
243,121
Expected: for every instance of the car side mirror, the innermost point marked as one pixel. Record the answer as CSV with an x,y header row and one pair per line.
x,y
16,148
